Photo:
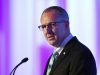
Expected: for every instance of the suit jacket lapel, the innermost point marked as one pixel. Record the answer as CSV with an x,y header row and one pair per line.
x,y
58,61
63,54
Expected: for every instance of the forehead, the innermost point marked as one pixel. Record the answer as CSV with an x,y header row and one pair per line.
x,y
50,17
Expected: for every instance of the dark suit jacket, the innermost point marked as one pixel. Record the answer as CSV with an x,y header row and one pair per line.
x,y
75,59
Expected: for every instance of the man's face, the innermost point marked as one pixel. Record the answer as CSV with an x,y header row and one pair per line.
x,y
54,33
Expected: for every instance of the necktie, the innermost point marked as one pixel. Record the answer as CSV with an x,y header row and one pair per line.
x,y
53,59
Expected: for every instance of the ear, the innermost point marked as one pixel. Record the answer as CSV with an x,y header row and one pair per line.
x,y
66,24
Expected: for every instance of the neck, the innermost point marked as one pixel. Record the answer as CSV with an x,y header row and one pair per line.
x,y
58,45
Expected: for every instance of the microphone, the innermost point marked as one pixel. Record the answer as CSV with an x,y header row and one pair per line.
x,y
23,61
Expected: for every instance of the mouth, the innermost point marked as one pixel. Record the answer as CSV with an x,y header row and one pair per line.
x,y
50,37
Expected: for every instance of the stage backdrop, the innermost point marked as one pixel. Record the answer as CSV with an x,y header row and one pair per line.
x,y
20,36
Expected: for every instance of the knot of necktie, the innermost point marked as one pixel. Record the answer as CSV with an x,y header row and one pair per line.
x,y
55,55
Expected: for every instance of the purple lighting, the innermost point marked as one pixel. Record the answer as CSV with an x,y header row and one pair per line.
x,y
98,31
45,52
4,37
19,36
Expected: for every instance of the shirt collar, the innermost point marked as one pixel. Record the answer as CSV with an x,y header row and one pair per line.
x,y
60,48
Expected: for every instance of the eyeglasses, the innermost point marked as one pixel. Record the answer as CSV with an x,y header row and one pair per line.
x,y
50,25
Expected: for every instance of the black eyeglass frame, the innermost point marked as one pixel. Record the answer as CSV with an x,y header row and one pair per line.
x,y
41,27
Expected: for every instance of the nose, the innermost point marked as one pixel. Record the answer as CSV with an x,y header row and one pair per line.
x,y
48,30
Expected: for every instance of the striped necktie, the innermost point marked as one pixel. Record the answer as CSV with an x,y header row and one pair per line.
x,y
53,59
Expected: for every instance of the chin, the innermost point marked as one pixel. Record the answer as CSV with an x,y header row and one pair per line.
x,y
53,43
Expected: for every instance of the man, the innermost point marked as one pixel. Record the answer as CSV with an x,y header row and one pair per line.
x,y
70,57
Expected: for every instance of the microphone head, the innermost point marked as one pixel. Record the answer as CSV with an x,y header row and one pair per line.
x,y
24,60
